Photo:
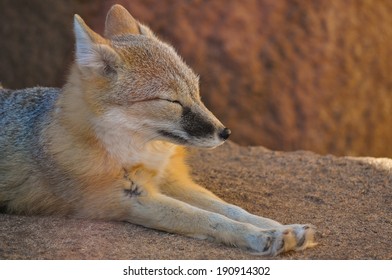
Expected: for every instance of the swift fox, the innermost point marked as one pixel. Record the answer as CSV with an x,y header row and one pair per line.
x,y
111,144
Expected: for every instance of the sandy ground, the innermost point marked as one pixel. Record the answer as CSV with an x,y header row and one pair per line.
x,y
349,200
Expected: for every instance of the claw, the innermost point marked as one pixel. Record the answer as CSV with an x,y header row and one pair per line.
x,y
268,244
281,245
301,241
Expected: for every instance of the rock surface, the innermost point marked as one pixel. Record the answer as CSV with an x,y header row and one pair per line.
x,y
348,199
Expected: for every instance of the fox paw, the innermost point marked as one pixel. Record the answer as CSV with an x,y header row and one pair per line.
x,y
298,237
287,238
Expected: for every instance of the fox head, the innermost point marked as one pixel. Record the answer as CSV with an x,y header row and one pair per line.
x,y
141,84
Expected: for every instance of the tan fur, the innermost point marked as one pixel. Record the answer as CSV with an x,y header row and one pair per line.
x,y
112,146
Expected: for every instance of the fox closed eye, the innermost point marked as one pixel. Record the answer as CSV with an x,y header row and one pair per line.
x,y
174,101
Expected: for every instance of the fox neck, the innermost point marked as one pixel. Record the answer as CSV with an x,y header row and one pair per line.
x,y
107,131
125,141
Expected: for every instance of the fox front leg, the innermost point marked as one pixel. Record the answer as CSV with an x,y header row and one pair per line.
x,y
158,211
297,237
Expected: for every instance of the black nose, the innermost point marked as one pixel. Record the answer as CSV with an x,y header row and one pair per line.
x,y
225,133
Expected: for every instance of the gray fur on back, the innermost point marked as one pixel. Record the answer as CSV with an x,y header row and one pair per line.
x,y
23,113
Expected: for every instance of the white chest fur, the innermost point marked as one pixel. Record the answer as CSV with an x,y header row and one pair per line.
x,y
155,155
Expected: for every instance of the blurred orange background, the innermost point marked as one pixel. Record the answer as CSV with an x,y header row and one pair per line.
x,y
288,75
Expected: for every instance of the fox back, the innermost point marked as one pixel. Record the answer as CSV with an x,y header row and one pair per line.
x,y
23,116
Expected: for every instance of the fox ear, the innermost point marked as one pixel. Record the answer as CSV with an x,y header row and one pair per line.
x,y
120,22
92,50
